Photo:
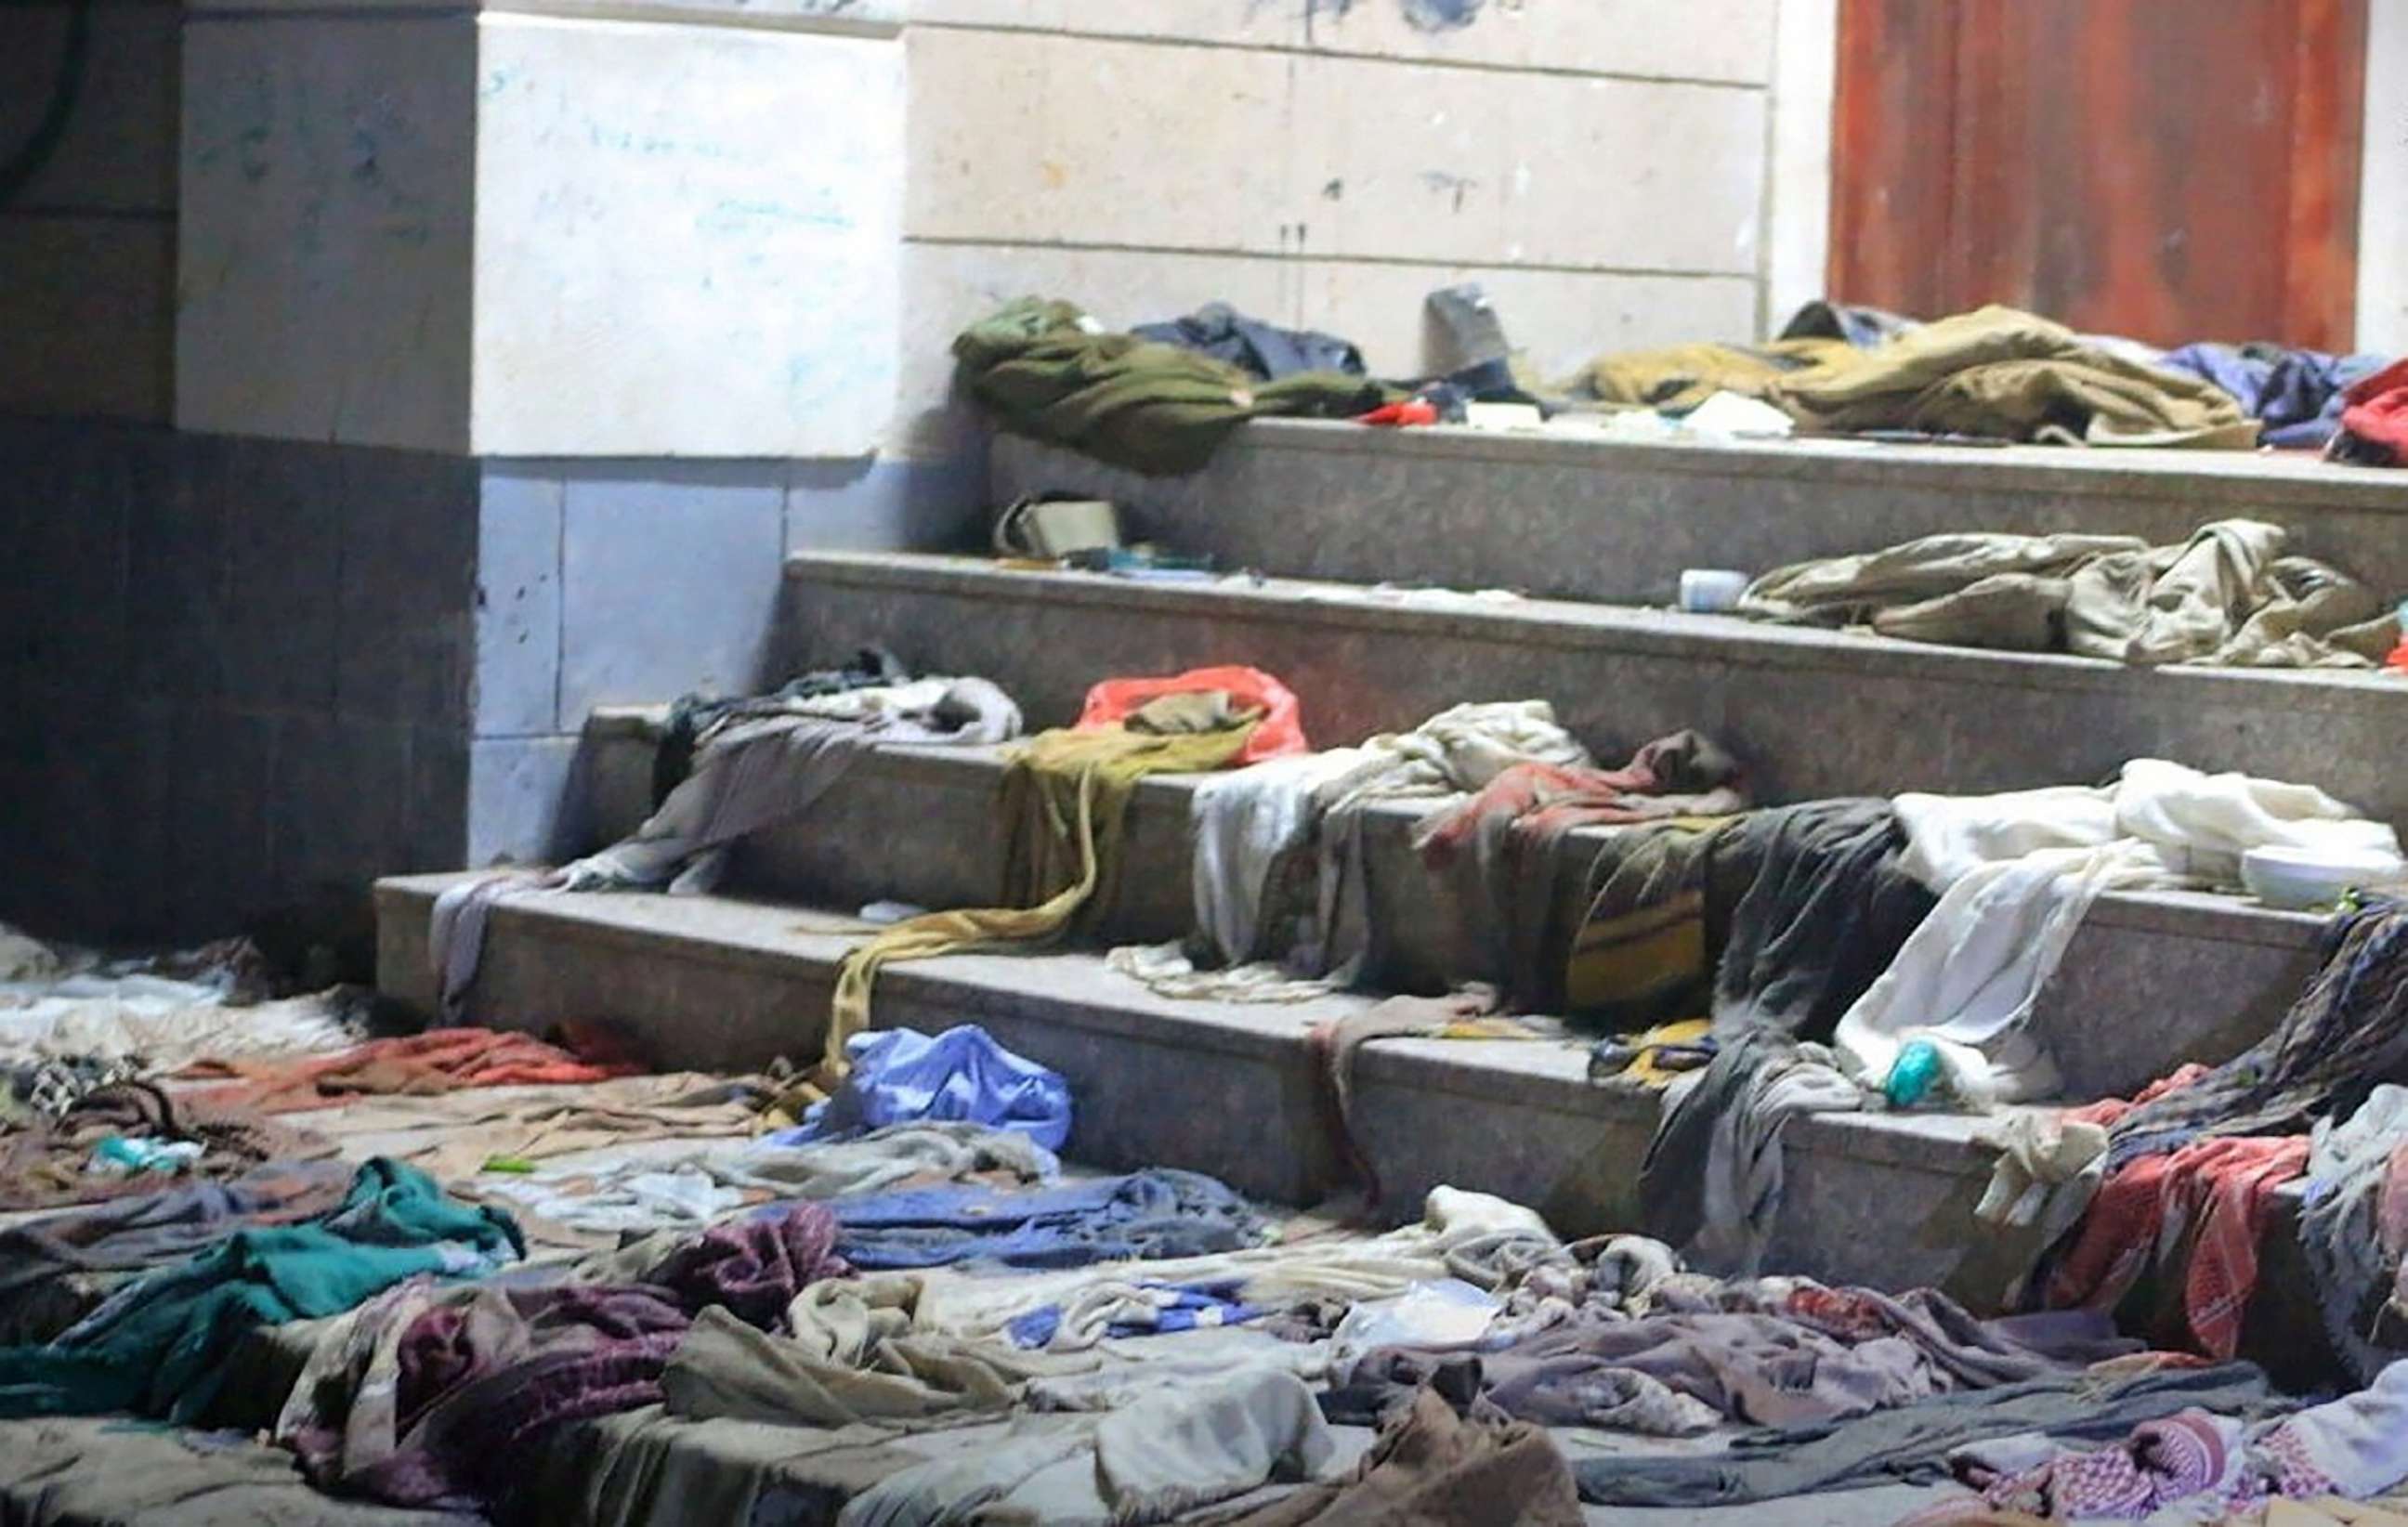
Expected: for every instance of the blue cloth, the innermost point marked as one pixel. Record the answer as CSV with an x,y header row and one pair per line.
x,y
1172,1307
2294,394
1147,1215
901,1075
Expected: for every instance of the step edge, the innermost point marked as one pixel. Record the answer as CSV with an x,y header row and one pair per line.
x,y
1638,629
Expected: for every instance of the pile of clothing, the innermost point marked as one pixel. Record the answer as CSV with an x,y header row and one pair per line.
x,y
2228,596
2182,1181
730,769
1995,373
1063,802
1047,370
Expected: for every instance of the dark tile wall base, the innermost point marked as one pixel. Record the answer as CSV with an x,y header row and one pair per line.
x,y
243,677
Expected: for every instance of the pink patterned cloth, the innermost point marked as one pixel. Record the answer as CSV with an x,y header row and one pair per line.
x,y
2187,1455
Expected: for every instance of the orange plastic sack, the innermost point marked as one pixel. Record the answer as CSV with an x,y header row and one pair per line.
x,y
1281,731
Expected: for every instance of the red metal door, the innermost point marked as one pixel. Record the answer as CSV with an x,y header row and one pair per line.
x,y
2168,169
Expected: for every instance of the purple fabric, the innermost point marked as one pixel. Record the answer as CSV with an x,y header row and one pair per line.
x,y
478,1379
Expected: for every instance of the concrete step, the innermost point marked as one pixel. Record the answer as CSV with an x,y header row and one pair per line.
x,y
715,982
1560,515
1882,1199
1811,713
919,824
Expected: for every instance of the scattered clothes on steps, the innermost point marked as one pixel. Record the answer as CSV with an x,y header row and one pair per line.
x,y
1153,1214
434,1395
1064,803
1261,350
1281,884
1677,379
2296,395
1508,838
1997,372
51,1164
2352,1245
1047,370
56,1269
692,717
1780,919
1134,703
159,1345
2228,596
900,1076
1913,1443
1466,1014
2049,1166
1710,1181
2016,873
1643,955
1819,906
1431,1467
2345,1035
2374,420
761,762
2206,1205
1250,833
1167,1454
768,761
2197,1466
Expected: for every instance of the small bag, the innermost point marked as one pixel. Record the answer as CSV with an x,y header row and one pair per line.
x,y
1050,529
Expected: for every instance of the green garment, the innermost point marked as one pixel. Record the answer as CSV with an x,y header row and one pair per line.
x,y
1065,797
2008,375
1677,378
162,1344
1136,403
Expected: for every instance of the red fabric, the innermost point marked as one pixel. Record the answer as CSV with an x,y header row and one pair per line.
x,y
2376,410
1545,800
1411,411
2107,1111
2216,1196
437,1061
1281,731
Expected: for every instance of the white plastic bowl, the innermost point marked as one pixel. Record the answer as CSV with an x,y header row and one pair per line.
x,y
2314,876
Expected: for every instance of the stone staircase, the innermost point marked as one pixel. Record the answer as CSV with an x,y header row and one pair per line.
x,y
2152,979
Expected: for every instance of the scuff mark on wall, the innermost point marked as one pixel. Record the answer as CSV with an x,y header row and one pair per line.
x,y
1440,15
1454,186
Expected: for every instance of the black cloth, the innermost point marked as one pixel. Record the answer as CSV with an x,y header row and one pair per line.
x,y
1817,908
691,715
1263,349
2345,1035
1861,326
1911,1444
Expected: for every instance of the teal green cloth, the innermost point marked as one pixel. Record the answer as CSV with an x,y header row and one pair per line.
x,y
1045,370
160,1346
